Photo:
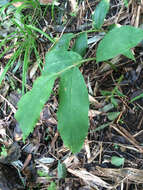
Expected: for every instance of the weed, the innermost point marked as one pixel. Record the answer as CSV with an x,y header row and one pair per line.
x,y
62,61
23,40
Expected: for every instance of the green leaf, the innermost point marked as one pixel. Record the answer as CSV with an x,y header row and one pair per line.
x,y
119,93
126,3
106,93
62,171
113,115
73,110
101,127
58,60
129,54
107,108
63,43
118,41
52,186
117,161
137,97
114,101
31,104
100,13
81,45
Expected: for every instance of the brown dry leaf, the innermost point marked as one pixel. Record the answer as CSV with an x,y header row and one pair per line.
x,y
90,179
132,174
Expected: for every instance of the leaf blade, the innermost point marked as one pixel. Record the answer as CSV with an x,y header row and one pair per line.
x,y
58,60
31,104
100,13
118,41
73,110
81,45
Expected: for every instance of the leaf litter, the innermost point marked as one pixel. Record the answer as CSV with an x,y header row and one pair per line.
x,y
92,167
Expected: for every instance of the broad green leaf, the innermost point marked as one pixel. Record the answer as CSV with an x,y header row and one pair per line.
x,y
81,45
113,115
62,171
100,13
129,54
58,60
118,41
63,43
117,161
31,104
73,110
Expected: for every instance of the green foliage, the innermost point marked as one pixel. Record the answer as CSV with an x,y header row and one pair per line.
x,y
100,13
117,161
58,60
52,186
31,104
137,97
62,171
3,151
72,121
81,45
62,62
73,109
126,3
63,42
113,115
24,37
129,54
118,41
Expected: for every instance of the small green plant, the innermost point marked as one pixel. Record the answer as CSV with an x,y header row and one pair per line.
x,y
52,185
63,62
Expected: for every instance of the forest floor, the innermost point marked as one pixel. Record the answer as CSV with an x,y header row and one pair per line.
x,y
112,155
